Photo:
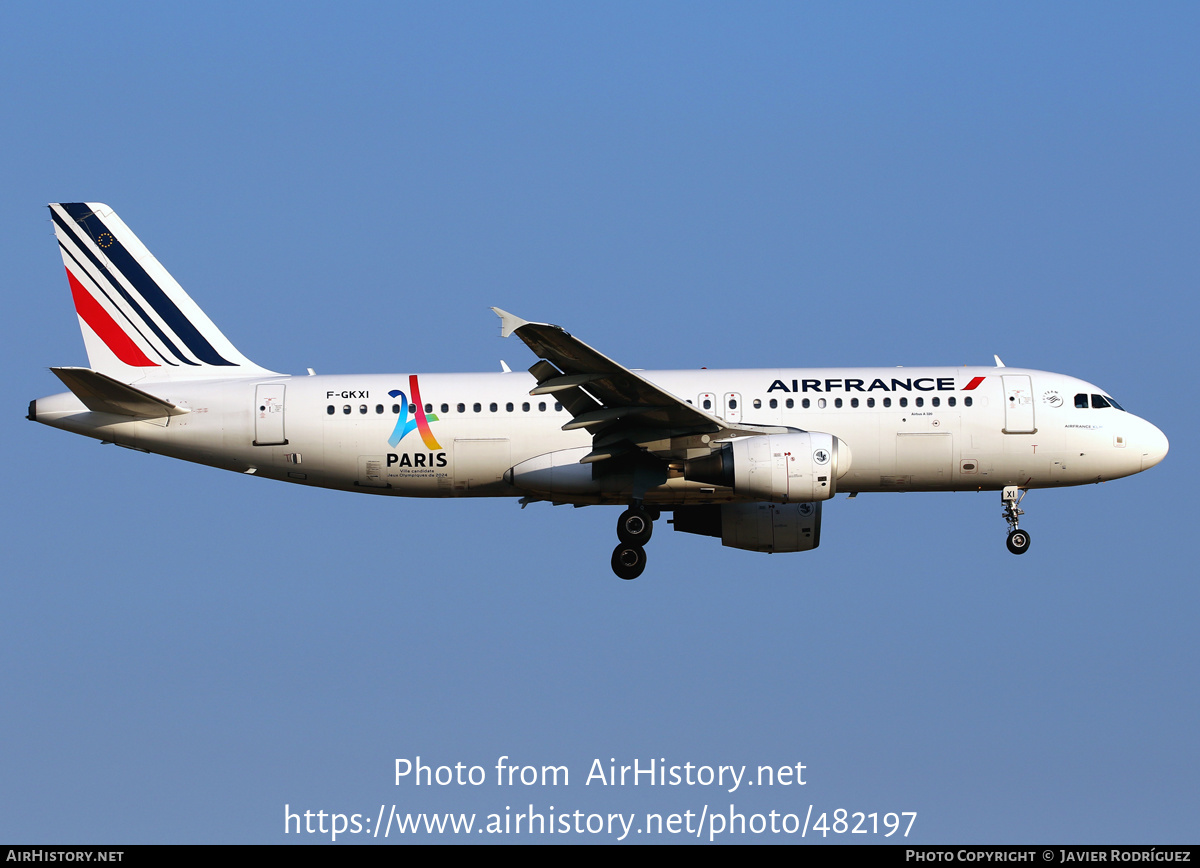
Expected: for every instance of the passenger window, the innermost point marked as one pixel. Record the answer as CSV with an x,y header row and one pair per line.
x,y
733,403
854,402
968,401
346,409
525,407
330,410
821,403
493,407
870,402
774,403
428,408
541,406
395,409
837,402
508,408
1081,402
707,404
951,401
445,408
904,402
378,409
920,402
362,408
477,407
758,403
937,402
557,407
887,402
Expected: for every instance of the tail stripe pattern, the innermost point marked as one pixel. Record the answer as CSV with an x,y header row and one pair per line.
x,y
100,277
77,277
106,327
142,282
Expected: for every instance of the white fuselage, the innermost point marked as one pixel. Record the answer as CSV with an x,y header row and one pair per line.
x,y
907,429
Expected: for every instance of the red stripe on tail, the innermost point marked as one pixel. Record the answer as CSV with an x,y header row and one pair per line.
x,y
106,327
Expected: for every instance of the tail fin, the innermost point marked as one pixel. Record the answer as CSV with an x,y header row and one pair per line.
x,y
137,321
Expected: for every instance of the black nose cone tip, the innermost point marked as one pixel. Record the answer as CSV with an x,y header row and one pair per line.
x,y
32,416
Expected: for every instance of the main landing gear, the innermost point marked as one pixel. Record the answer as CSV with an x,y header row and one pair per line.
x,y
634,528
1018,540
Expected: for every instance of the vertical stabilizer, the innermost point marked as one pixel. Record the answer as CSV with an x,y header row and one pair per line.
x,y
137,321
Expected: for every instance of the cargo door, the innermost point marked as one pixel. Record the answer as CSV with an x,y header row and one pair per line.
x,y
480,464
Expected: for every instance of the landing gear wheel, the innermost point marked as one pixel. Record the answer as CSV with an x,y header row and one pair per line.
x,y
1018,542
635,526
628,561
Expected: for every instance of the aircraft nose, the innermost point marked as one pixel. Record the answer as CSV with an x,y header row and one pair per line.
x,y
1154,447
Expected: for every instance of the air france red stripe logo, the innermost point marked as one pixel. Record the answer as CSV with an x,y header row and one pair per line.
x,y
106,327
973,384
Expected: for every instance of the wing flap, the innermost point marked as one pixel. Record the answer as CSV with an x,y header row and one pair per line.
x,y
617,405
611,384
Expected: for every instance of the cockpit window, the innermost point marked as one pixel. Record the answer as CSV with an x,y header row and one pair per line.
x,y
1115,404
1081,402
1098,402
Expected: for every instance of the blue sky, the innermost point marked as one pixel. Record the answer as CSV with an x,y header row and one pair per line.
x,y
186,651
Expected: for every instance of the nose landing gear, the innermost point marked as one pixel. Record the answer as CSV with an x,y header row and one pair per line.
x,y
1018,540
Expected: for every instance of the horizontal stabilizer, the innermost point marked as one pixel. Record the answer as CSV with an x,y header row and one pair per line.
x,y
103,394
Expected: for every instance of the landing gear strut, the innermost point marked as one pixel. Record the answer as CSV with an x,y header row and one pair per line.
x,y
1018,540
634,528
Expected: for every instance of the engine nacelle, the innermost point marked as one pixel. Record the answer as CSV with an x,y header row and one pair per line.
x,y
756,527
780,468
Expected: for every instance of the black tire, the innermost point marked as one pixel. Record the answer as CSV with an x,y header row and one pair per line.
x,y
1018,542
635,527
628,561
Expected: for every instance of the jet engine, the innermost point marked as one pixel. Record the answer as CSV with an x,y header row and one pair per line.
x,y
780,468
756,527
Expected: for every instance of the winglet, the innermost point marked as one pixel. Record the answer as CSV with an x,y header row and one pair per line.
x,y
509,323
999,364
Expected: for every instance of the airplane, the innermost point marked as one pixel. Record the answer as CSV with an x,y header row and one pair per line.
x,y
748,456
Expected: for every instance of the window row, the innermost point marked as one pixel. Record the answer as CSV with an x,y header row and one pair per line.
x,y
364,409
822,403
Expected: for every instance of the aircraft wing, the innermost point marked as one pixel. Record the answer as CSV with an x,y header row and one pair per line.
x,y
623,410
